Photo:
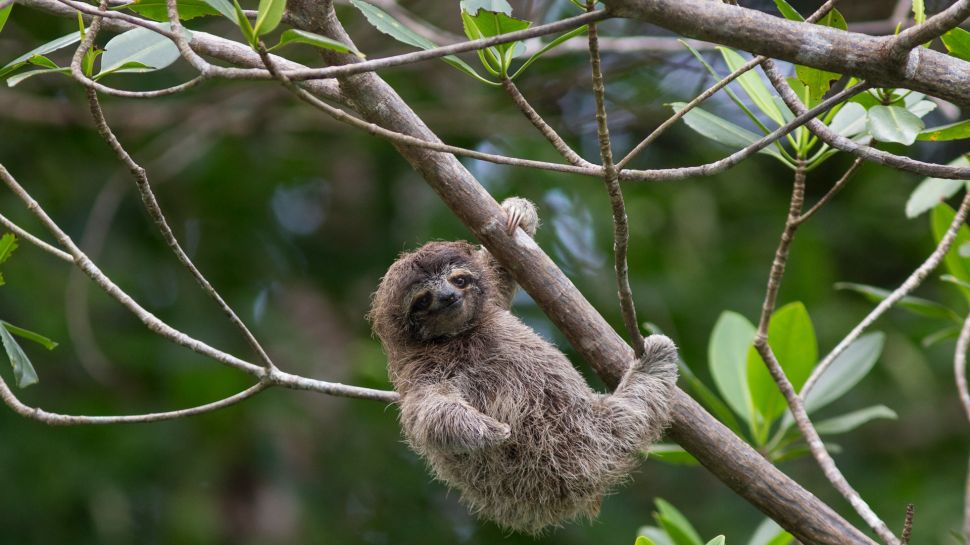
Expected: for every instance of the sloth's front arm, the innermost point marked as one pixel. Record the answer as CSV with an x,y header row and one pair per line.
x,y
436,416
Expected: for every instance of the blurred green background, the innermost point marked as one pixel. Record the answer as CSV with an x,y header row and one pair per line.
x,y
294,218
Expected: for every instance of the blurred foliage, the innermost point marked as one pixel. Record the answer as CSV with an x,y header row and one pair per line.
x,y
294,218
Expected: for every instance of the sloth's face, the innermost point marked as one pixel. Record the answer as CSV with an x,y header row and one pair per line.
x,y
444,303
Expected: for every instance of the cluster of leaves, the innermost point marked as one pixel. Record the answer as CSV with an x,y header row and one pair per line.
x,y
748,391
673,528
881,115
480,19
23,370
142,50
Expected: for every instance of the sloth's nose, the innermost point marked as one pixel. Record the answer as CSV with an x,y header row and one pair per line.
x,y
449,298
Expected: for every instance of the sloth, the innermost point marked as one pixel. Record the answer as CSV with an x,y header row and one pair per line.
x,y
495,410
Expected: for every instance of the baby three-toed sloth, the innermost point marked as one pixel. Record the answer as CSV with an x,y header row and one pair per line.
x,y
498,412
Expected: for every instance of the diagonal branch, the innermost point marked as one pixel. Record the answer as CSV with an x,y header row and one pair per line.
x,y
158,217
904,289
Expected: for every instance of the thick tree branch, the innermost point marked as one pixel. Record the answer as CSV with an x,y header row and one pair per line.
x,y
866,57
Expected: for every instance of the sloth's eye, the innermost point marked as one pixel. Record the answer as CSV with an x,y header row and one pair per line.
x,y
460,281
422,302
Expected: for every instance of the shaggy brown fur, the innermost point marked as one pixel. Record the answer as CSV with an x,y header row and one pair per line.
x,y
498,412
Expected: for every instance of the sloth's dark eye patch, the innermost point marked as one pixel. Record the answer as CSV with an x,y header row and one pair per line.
x,y
461,280
422,302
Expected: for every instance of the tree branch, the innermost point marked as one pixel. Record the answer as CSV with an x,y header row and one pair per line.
x,y
621,229
910,284
865,57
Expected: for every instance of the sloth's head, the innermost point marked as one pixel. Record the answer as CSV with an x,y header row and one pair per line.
x,y
436,292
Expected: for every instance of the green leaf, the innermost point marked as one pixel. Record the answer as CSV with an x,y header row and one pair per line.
x,y
850,120
42,61
383,22
128,67
294,36
139,45
644,540
14,80
157,10
768,532
223,7
386,24
51,46
850,421
656,535
791,337
23,371
940,218
894,124
29,335
244,25
8,243
753,86
548,47
487,24
954,131
719,540
4,14
800,451
721,130
916,305
788,12
919,12
727,356
846,371
676,524
932,191
672,454
473,6
269,15
951,332
957,42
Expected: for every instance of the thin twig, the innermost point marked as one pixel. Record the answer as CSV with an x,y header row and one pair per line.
x,y
777,271
934,27
23,234
621,229
154,210
831,192
795,403
355,68
551,135
907,525
78,73
960,371
56,419
904,289
960,366
112,289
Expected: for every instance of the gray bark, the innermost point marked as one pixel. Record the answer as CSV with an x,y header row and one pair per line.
x,y
866,57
